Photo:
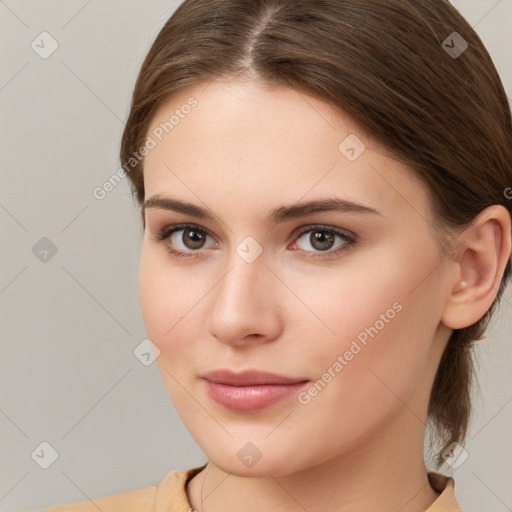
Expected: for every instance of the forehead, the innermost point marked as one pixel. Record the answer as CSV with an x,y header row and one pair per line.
x,y
264,113
246,139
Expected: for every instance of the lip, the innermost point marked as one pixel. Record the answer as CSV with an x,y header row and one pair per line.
x,y
251,390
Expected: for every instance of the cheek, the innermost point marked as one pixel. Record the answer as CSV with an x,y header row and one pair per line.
x,y
380,319
165,297
167,301
173,301
152,293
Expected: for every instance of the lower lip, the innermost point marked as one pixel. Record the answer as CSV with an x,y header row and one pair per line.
x,y
250,398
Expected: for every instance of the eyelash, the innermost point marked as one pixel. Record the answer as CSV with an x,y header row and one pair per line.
x,y
167,231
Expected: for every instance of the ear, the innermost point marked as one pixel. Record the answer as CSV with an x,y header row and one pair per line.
x,y
483,250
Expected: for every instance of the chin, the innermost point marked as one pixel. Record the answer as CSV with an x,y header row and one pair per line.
x,y
259,459
262,469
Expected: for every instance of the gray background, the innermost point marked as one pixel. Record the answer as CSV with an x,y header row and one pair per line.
x,y
68,374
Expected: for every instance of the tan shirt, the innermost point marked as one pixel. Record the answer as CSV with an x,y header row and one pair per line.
x,y
171,496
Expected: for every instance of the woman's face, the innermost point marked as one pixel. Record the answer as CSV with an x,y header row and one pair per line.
x,y
341,301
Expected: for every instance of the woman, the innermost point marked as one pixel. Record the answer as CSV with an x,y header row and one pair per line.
x,y
324,190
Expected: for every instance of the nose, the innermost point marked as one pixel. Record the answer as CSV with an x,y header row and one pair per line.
x,y
244,310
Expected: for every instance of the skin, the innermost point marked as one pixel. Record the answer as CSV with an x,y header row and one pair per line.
x,y
357,445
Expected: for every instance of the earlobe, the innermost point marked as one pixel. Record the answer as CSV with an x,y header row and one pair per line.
x,y
485,248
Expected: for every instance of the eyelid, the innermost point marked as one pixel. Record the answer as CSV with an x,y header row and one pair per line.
x,y
348,238
166,232
324,227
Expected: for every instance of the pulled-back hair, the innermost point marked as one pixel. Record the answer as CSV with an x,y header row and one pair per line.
x,y
397,68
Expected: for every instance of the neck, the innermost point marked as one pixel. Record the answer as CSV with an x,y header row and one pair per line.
x,y
384,473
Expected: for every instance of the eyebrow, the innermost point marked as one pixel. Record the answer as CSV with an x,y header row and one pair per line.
x,y
277,215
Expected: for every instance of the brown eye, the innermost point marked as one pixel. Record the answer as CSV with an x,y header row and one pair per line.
x,y
321,240
183,239
192,238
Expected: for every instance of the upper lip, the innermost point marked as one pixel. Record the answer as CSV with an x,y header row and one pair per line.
x,y
248,378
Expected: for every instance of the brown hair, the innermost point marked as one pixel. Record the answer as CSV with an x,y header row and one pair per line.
x,y
386,63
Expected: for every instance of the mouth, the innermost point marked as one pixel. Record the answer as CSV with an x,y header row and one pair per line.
x,y
250,391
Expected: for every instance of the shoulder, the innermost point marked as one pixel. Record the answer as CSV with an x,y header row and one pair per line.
x,y
445,487
140,500
170,492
